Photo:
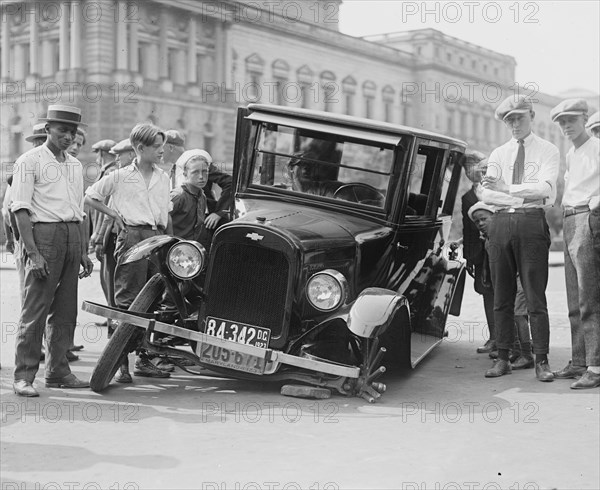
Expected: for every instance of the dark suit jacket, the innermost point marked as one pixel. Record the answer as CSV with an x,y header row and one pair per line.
x,y
224,181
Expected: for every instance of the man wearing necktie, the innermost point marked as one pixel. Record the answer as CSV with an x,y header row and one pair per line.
x,y
521,183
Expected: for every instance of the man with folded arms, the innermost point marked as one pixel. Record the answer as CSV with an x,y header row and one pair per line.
x,y
581,271
48,208
521,183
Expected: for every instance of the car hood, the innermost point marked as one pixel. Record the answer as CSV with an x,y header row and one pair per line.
x,y
309,226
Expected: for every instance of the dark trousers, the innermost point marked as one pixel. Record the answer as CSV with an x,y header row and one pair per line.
x,y
107,269
519,243
130,278
49,303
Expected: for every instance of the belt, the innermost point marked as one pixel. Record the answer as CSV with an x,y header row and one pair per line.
x,y
539,211
145,227
571,210
56,223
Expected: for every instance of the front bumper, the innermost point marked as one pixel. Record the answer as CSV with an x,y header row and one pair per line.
x,y
271,358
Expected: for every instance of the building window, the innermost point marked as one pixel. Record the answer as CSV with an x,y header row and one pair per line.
x,y
330,90
496,71
419,50
369,89
463,124
474,64
388,94
437,52
449,56
450,123
461,60
349,88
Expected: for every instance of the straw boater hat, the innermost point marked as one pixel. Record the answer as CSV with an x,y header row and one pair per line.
x,y
64,114
39,132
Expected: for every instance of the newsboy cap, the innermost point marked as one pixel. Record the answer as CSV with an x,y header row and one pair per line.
x,y
480,206
39,132
63,113
569,107
121,147
174,137
593,121
515,104
103,145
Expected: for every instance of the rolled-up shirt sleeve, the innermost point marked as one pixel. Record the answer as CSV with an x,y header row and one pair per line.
x,y
540,177
24,175
102,189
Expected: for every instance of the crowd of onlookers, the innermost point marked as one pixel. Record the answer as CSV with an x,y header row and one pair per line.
x,y
53,223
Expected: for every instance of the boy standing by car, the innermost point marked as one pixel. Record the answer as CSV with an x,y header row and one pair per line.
x,y
581,270
140,209
519,236
189,202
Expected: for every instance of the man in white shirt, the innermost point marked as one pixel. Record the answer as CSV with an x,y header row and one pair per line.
x,y
521,183
48,207
582,193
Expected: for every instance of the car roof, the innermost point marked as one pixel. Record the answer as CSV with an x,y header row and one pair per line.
x,y
355,122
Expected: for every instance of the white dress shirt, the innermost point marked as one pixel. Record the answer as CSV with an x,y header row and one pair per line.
x,y
538,189
582,178
50,190
138,204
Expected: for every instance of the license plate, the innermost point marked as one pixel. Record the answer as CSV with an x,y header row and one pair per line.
x,y
237,332
227,358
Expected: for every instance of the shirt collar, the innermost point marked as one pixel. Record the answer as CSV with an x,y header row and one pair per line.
x,y
527,141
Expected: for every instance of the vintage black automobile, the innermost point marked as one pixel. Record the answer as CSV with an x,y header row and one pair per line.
x,y
335,259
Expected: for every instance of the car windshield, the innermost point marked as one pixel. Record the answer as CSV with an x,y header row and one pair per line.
x,y
331,166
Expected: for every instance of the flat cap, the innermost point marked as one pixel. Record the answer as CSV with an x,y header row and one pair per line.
x,y
515,104
472,157
569,107
480,206
593,121
121,147
39,132
103,145
174,137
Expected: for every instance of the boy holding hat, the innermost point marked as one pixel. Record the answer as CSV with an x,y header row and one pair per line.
x,y
582,274
521,183
48,207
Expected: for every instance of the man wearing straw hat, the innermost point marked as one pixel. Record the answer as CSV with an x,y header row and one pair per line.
x,y
48,207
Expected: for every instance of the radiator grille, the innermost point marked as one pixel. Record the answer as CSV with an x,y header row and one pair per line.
x,y
248,284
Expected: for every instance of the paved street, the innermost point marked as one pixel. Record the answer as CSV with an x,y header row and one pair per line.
x,y
440,426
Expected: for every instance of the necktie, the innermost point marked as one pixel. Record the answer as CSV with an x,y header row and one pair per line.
x,y
519,167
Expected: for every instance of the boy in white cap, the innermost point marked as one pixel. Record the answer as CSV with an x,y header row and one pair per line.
x,y
48,207
582,274
518,232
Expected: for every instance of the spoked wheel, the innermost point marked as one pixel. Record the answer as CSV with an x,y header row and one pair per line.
x,y
127,336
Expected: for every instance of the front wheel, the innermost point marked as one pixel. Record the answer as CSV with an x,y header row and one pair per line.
x,y
127,336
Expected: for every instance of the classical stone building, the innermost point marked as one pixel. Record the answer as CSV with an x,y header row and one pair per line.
x,y
189,64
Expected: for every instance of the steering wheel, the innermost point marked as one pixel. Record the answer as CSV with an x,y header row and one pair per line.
x,y
360,193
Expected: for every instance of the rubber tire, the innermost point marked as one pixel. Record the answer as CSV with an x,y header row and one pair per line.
x,y
120,342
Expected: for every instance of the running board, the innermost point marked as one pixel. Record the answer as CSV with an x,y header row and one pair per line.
x,y
420,346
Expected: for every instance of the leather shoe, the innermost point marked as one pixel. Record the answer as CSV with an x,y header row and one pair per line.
x,y
570,371
523,362
69,381
123,376
543,372
588,380
71,357
500,368
75,348
24,388
486,348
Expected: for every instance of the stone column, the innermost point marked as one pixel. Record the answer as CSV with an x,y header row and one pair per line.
x,y
63,38
19,73
192,68
47,60
76,36
34,46
134,62
220,53
163,57
121,38
5,46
